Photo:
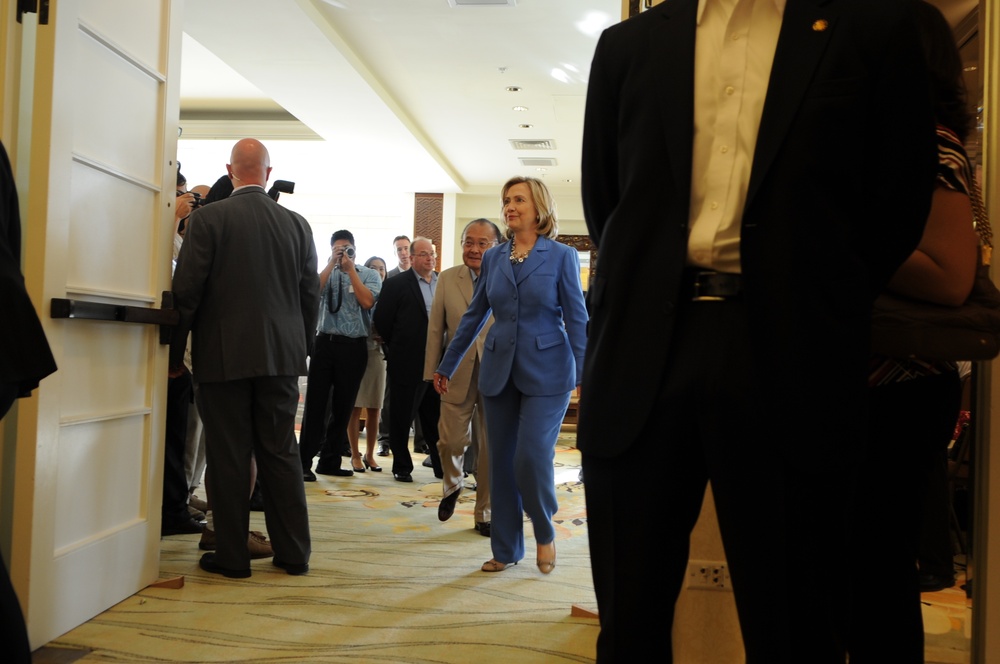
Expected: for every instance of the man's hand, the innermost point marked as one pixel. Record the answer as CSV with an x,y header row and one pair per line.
x,y
184,205
343,260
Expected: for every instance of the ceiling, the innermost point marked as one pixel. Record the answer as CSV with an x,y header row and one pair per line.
x,y
403,95
408,95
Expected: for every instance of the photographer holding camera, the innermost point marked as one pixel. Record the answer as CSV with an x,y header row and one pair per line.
x,y
339,356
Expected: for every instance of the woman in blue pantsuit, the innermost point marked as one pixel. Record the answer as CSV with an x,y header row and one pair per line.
x,y
533,360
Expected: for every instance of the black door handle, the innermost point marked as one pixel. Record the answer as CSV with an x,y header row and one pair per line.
x,y
166,316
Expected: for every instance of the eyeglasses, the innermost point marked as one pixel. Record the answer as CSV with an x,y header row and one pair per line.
x,y
426,254
482,244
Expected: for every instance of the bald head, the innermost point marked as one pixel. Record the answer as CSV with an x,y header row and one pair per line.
x,y
249,163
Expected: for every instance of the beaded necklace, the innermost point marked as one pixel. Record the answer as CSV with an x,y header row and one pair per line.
x,y
515,257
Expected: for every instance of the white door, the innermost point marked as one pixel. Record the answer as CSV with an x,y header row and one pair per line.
x,y
98,124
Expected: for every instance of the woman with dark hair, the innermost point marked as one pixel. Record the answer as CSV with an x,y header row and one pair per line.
x,y
902,542
370,394
532,360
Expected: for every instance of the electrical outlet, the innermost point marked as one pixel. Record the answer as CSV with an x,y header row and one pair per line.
x,y
708,575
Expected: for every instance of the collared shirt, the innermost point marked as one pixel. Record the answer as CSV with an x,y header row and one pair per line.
x,y
350,320
427,289
734,49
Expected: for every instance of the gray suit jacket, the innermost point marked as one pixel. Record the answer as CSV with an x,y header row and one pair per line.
x,y
247,288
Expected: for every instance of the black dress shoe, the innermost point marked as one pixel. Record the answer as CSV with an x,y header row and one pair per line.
x,y
338,472
447,506
209,565
181,527
427,463
383,449
932,583
483,528
308,475
295,569
403,477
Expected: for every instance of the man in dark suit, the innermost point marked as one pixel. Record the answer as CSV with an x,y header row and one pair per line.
x,y
26,359
752,180
401,320
401,246
246,287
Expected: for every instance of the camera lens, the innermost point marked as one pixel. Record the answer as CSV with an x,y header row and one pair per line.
x,y
349,250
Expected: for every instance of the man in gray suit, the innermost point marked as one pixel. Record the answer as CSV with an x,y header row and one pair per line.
x,y
246,287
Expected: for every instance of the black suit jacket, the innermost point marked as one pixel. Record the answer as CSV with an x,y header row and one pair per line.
x,y
838,196
400,317
26,358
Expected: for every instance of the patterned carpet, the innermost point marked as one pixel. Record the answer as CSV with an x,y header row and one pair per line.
x,y
388,583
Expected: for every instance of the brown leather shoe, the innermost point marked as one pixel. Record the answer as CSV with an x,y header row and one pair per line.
x,y
197,503
257,544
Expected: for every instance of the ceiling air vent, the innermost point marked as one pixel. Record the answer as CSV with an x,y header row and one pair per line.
x,y
537,161
519,144
482,3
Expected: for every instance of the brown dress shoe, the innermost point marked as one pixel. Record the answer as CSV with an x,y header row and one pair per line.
x,y
257,544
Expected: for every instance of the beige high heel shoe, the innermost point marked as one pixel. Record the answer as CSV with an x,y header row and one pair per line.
x,y
494,565
546,559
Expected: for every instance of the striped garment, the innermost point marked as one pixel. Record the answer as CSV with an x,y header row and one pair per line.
x,y
954,173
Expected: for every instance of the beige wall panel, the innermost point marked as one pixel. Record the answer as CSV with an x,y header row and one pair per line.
x,y
117,19
94,456
107,367
104,261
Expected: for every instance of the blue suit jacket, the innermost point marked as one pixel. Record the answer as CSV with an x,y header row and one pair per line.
x,y
539,335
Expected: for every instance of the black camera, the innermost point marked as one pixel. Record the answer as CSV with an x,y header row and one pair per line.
x,y
197,202
349,252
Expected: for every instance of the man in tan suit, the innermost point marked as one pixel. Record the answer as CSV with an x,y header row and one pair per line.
x,y
462,405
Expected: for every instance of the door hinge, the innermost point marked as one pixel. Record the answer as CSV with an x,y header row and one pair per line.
x,y
41,7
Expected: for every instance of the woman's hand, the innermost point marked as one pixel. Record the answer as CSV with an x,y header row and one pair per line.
x,y
440,383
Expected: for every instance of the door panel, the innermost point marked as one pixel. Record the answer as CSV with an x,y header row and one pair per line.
x,y
101,122
122,264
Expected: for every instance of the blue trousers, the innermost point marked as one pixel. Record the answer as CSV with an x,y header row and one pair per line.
x,y
522,477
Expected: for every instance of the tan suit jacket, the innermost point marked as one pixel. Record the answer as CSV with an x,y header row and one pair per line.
x,y
451,299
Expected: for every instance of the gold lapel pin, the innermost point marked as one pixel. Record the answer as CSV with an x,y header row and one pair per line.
x,y
820,25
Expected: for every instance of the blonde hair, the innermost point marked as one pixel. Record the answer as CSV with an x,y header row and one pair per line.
x,y
548,226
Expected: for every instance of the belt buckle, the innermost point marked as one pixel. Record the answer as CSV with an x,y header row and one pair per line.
x,y
698,297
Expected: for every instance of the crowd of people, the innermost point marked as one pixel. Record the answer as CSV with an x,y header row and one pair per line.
x,y
697,207
361,332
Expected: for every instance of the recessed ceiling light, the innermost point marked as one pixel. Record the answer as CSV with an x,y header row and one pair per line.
x,y
513,88
520,109
525,126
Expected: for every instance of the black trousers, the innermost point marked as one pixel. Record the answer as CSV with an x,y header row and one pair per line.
x,y
902,495
13,632
410,401
337,364
783,523
175,487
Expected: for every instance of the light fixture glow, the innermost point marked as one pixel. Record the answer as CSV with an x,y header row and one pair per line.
x,y
560,75
593,23
520,109
513,88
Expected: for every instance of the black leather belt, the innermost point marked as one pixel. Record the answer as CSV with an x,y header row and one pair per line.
x,y
337,338
711,286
